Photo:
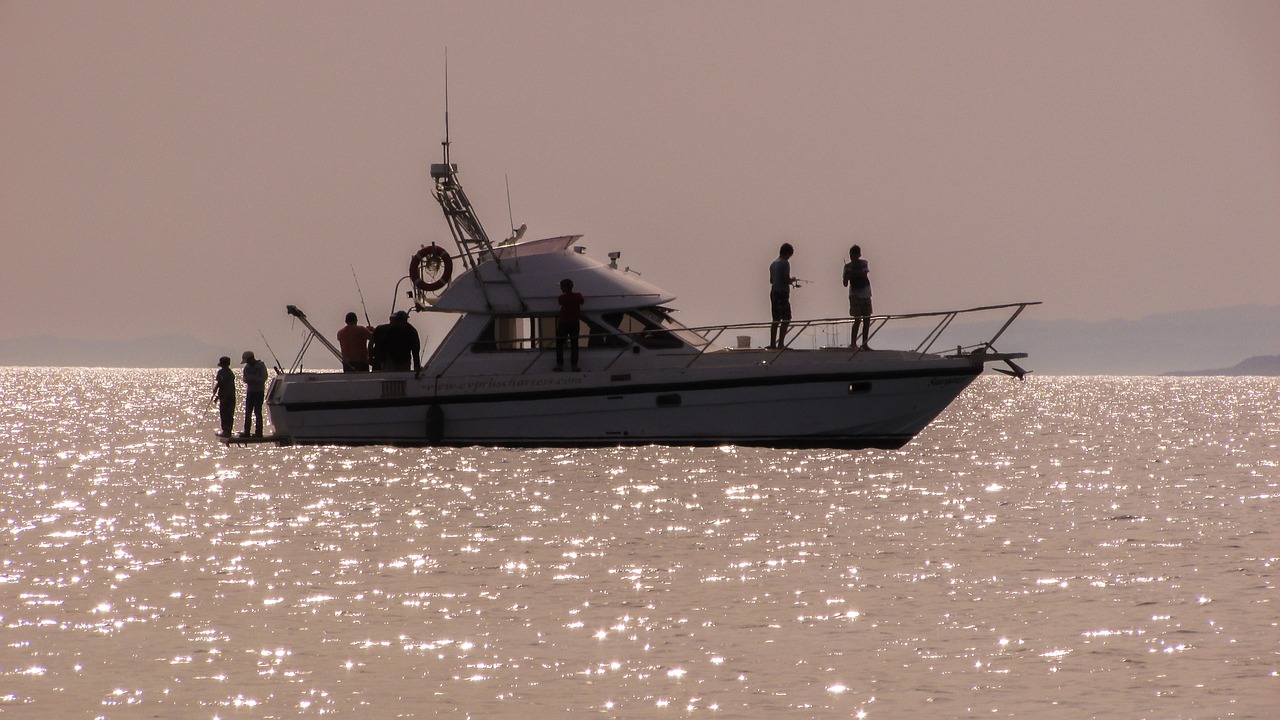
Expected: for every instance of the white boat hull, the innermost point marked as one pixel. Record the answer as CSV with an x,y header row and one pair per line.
x,y
824,405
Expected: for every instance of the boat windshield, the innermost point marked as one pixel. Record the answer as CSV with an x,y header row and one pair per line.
x,y
533,247
653,328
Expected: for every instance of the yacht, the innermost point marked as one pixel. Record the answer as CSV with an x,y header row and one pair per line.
x,y
642,377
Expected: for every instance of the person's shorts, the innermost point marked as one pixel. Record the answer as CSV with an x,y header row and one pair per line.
x,y
859,307
780,305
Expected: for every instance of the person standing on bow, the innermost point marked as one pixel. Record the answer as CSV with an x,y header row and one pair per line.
x,y
224,389
780,282
567,324
255,385
354,340
857,278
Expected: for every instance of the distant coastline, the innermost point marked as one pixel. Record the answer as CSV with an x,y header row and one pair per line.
x,y
1260,365
1171,344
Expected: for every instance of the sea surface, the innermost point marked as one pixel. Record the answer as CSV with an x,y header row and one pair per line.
x,y
1064,547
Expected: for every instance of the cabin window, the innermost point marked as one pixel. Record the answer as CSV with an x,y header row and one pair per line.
x,y
506,334
599,336
645,327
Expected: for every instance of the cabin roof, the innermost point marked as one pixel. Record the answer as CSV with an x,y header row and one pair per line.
x,y
535,270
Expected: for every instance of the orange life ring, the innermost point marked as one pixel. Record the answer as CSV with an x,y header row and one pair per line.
x,y
431,261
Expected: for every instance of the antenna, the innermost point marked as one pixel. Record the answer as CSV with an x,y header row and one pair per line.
x,y
516,232
510,216
446,106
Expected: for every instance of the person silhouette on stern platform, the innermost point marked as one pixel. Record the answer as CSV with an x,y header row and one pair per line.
x,y
255,384
224,389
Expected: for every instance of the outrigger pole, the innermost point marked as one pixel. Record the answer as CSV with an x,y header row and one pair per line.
x,y
302,317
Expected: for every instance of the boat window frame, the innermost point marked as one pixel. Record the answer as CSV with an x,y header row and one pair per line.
x,y
539,335
657,330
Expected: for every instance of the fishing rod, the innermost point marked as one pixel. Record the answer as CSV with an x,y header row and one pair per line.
x,y
367,321
279,371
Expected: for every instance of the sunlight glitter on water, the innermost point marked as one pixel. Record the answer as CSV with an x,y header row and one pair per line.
x,y
1040,539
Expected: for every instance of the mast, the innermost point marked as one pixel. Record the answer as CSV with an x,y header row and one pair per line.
x,y
473,243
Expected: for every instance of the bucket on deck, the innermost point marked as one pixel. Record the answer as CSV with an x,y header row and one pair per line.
x,y
744,341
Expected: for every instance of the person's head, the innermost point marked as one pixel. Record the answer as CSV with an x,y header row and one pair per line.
x,y
351,318
247,357
855,252
566,285
224,361
786,251
400,317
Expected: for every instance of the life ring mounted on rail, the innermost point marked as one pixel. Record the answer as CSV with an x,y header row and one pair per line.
x,y
431,268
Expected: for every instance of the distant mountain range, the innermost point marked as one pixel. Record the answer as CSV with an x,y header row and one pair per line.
x,y
1182,342
1268,365
1241,340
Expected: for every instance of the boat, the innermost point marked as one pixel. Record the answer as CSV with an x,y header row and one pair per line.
x,y
643,376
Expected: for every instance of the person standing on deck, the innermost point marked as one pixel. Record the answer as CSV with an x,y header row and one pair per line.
x,y
857,278
224,389
398,345
354,341
780,282
567,325
255,384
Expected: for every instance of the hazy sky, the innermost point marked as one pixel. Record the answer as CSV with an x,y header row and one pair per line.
x,y
193,167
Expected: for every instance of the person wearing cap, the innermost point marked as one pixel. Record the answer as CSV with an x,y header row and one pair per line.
x,y
224,389
397,345
255,384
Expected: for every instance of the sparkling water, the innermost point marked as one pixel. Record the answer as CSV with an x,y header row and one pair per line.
x,y
1057,548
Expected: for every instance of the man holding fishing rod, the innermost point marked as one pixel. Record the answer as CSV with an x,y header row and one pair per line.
x,y
354,339
224,391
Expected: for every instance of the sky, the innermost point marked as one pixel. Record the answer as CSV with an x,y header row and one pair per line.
x,y
192,168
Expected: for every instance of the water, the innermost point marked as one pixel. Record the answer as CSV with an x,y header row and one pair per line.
x,y
1060,548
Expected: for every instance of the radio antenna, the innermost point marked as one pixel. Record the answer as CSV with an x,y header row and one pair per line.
x,y
446,106
516,232
510,216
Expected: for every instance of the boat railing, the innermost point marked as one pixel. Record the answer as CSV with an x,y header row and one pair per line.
x,y
833,327
706,339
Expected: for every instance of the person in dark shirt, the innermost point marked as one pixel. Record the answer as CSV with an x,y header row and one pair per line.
x,y
567,325
377,344
396,345
224,389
